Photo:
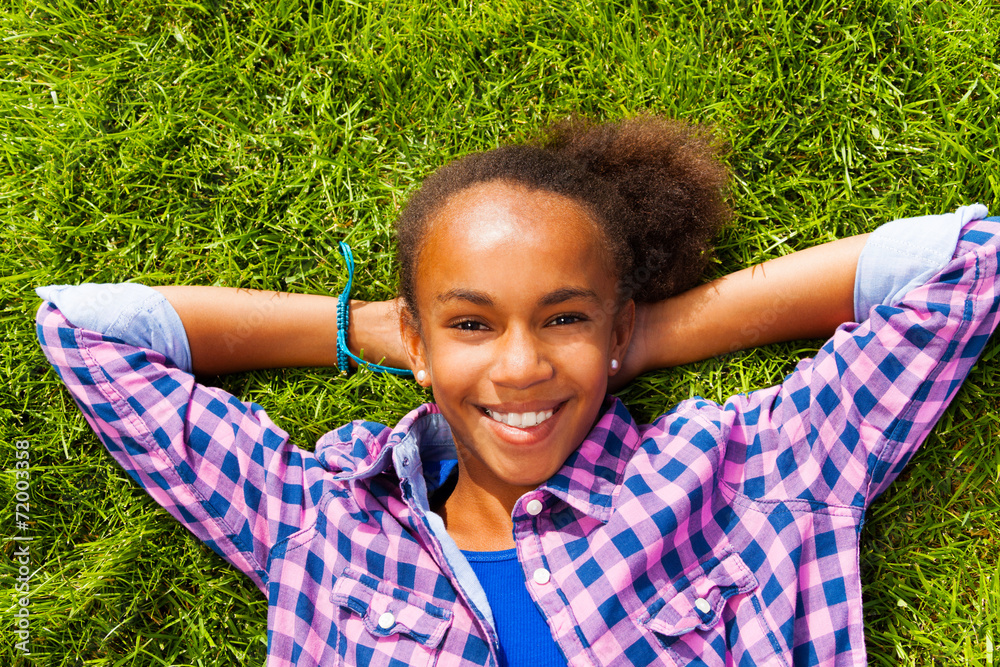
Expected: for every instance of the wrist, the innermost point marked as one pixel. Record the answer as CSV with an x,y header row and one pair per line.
x,y
656,345
374,333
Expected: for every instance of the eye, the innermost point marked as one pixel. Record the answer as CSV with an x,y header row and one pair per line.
x,y
561,320
469,325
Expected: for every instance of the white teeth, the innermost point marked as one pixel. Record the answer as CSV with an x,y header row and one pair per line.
x,y
520,419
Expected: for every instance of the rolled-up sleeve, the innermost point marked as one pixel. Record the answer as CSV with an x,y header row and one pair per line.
x,y
133,313
904,254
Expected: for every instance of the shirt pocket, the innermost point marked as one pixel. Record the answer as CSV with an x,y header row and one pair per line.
x,y
692,622
379,623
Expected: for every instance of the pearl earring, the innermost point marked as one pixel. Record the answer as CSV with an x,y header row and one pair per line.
x,y
421,376
614,364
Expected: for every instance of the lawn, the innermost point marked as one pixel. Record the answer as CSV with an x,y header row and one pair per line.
x,y
234,143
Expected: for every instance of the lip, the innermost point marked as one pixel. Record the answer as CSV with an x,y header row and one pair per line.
x,y
516,435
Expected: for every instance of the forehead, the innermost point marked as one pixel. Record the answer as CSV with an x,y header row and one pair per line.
x,y
498,213
502,231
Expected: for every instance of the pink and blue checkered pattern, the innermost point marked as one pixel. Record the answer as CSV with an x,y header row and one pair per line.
x,y
717,535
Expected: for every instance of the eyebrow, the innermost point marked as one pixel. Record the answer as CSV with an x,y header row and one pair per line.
x,y
472,296
568,294
552,298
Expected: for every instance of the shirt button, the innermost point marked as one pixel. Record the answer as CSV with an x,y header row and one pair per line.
x,y
386,620
702,605
541,576
534,507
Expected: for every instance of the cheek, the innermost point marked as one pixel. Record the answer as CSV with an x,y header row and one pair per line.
x,y
583,352
444,353
455,367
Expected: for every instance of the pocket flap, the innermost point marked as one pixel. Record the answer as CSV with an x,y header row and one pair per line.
x,y
387,609
699,604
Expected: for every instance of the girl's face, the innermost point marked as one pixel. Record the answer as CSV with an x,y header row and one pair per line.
x,y
518,326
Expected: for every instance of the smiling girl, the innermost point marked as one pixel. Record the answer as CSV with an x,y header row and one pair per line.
x,y
524,517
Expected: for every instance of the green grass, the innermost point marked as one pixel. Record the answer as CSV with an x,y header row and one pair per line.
x,y
234,143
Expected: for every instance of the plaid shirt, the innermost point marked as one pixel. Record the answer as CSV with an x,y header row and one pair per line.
x,y
717,535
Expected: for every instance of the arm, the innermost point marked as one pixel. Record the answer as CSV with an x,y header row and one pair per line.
x,y
807,294
215,330
217,464
210,460
844,423
804,295
231,330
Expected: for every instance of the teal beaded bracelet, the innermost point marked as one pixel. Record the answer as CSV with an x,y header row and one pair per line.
x,y
344,321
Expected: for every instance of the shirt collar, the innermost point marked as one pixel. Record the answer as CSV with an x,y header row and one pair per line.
x,y
420,443
421,451
593,471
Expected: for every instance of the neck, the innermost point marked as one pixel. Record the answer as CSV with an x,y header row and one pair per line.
x,y
477,518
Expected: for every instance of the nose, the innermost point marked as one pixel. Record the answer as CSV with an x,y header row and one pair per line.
x,y
520,360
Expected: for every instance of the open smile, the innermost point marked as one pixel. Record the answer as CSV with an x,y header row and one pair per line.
x,y
521,419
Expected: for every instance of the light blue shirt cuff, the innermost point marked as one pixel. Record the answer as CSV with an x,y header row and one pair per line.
x,y
135,314
903,254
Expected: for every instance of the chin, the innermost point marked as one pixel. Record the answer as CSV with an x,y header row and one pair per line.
x,y
523,479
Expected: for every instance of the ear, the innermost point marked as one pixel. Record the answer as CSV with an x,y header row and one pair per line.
x,y
413,345
621,334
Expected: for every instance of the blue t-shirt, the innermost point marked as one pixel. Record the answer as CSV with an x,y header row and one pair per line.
x,y
525,639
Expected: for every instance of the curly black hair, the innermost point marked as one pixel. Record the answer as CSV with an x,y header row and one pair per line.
x,y
656,187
